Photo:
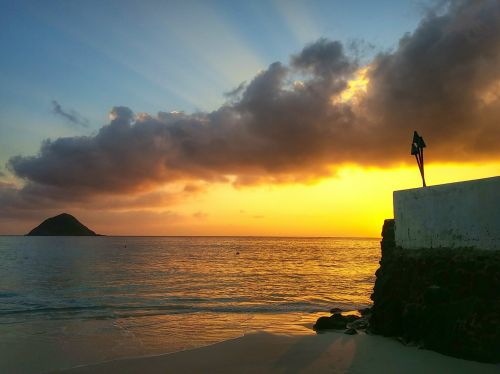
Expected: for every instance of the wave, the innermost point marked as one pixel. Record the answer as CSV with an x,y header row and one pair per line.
x,y
8,294
127,311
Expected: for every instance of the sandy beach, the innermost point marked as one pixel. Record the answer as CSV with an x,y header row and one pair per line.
x,y
263,352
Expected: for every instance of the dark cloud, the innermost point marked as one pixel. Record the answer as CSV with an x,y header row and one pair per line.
x,y
235,93
20,203
440,80
324,59
121,114
361,49
70,116
443,80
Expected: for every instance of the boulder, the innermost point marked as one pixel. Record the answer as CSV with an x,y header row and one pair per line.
x,y
350,331
365,311
335,322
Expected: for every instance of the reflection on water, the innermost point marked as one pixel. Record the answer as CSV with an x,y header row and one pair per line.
x,y
82,300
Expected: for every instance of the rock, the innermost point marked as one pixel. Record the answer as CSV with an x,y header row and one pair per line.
x,y
365,311
350,318
329,323
359,324
435,295
443,299
61,225
335,322
388,230
401,340
350,331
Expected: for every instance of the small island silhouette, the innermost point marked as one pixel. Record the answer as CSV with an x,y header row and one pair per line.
x,y
61,225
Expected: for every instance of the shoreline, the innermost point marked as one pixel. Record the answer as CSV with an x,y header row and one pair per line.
x,y
264,352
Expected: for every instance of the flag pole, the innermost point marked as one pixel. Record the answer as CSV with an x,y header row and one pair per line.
x,y
417,149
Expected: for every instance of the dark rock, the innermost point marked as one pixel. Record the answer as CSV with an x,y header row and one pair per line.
x,y
360,324
350,331
335,322
62,225
350,318
442,299
388,230
329,323
365,311
435,295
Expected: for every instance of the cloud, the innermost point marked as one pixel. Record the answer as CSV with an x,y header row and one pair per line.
x,y
442,80
235,93
324,59
70,116
436,82
35,201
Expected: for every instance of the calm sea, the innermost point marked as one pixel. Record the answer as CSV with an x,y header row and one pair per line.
x,y
67,301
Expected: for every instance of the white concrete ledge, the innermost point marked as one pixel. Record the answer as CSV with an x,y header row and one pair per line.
x,y
454,215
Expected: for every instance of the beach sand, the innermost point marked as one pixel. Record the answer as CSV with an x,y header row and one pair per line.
x,y
264,352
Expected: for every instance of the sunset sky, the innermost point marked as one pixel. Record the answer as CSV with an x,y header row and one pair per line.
x,y
286,118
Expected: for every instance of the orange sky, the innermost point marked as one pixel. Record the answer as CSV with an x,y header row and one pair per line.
x,y
354,203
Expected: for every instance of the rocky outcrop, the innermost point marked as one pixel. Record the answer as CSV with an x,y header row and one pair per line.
x,y
61,225
350,322
447,300
335,322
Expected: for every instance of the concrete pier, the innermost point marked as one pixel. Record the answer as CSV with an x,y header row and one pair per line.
x,y
439,277
454,215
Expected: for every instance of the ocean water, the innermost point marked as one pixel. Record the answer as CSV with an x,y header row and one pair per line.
x,y
67,301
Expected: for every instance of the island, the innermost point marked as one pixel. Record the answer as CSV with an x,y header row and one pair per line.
x,y
61,225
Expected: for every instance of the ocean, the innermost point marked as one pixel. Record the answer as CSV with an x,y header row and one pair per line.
x,y
68,301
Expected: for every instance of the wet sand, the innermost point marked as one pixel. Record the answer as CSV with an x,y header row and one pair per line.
x,y
270,353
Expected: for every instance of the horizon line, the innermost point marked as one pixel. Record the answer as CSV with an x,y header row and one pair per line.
x,y
201,236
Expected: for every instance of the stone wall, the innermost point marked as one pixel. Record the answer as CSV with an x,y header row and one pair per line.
x,y
443,299
453,215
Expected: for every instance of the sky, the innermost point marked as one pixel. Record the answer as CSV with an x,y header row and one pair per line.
x,y
289,118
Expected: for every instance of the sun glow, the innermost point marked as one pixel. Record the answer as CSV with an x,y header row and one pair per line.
x,y
355,87
491,95
353,203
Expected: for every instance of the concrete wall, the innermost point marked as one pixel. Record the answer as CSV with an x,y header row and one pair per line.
x,y
454,215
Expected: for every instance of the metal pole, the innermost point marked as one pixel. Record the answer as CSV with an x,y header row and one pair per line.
x,y
422,166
